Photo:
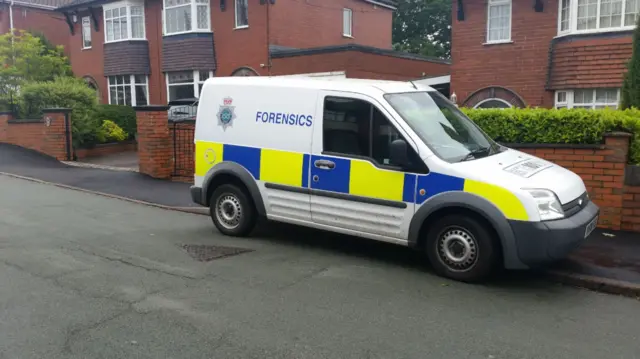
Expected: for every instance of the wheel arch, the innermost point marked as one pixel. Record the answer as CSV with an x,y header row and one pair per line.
x,y
230,172
473,205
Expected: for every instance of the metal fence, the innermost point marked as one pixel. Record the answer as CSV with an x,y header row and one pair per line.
x,y
183,147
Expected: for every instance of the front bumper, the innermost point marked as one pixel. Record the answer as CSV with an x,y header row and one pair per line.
x,y
196,195
538,243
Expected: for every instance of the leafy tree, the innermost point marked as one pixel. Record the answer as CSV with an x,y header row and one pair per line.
x,y
630,94
423,27
24,58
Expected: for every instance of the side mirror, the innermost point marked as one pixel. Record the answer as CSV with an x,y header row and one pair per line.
x,y
399,152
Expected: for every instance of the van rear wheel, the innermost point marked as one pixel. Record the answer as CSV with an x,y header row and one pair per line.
x,y
461,248
232,211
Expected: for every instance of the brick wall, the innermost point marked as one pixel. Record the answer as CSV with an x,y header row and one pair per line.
x,y
601,167
588,63
47,135
105,149
155,150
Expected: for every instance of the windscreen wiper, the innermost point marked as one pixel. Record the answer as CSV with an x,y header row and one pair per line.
x,y
474,154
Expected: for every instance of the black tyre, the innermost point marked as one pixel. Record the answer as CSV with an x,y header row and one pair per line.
x,y
461,248
232,211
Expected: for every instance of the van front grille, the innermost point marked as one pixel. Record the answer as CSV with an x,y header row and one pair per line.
x,y
576,205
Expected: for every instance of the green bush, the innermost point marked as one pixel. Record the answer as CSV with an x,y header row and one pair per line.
x,y
571,126
67,92
110,132
123,116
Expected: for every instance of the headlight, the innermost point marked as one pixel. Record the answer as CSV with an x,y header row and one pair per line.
x,y
549,206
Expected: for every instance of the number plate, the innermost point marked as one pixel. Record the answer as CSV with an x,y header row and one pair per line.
x,y
590,227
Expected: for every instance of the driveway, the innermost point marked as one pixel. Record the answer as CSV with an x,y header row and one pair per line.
x,y
84,276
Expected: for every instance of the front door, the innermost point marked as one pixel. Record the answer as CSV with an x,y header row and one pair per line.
x,y
354,185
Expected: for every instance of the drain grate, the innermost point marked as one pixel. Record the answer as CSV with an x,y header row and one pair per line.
x,y
206,253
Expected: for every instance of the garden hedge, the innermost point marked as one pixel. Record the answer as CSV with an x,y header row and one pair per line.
x,y
558,126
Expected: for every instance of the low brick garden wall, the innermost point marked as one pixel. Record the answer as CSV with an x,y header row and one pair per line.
x,y
49,134
105,149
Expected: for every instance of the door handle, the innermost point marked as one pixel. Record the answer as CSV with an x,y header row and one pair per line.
x,y
324,164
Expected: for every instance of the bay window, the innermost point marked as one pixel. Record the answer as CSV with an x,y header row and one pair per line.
x,y
186,84
130,90
588,98
499,21
124,21
577,16
179,16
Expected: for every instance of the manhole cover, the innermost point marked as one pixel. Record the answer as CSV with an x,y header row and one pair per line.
x,y
205,253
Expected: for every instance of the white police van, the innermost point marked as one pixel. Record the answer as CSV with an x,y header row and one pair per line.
x,y
389,161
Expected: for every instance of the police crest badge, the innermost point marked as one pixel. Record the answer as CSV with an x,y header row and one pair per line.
x,y
226,113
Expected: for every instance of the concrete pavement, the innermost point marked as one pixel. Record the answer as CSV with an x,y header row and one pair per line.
x,y
83,276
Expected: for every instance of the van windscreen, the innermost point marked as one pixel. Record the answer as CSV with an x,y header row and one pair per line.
x,y
448,132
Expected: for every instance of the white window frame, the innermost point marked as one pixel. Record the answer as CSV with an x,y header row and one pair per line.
x,y
573,20
86,25
196,82
236,2
569,99
492,99
128,5
347,14
132,85
194,17
491,3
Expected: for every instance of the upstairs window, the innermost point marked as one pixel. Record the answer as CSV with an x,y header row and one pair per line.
x,y
499,21
578,16
124,21
588,98
347,22
179,16
242,13
86,32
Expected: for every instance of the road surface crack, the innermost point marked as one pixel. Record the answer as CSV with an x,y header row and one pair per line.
x,y
135,265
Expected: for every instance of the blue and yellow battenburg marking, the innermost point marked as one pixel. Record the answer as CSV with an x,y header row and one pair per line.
x,y
350,176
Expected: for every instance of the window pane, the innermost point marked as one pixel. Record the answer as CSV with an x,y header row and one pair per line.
x,y
203,76
587,14
181,77
127,95
608,96
113,99
610,13
86,32
137,27
242,13
346,126
499,22
140,79
346,21
116,29
203,17
126,79
583,96
631,9
141,95
109,30
561,97
179,19
383,134
177,92
565,21
123,28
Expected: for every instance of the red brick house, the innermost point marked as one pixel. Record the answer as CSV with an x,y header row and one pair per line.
x,y
35,16
548,53
139,52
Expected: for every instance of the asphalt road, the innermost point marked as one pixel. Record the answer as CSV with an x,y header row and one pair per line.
x,y
83,276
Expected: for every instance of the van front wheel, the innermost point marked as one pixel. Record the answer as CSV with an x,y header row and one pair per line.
x,y
461,248
232,211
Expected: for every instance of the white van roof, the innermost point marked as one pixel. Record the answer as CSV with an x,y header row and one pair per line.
x,y
351,85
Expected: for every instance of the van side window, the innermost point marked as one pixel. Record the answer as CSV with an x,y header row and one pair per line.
x,y
357,128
